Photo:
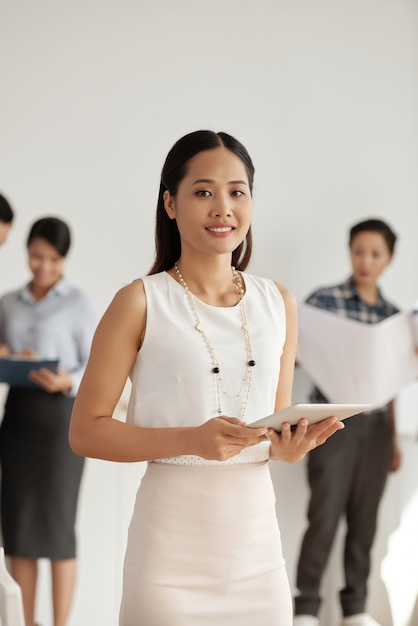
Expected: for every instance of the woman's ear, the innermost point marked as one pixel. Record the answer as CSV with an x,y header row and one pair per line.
x,y
169,204
390,259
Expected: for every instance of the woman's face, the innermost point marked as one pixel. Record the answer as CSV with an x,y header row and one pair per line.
x,y
45,263
370,255
213,204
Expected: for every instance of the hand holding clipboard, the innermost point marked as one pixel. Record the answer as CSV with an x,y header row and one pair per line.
x,y
14,370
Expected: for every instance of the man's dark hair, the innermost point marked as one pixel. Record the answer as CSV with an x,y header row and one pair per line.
x,y
6,211
375,226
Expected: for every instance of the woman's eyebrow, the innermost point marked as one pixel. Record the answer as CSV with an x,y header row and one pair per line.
x,y
209,180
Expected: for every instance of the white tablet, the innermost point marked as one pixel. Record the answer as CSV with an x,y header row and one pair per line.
x,y
312,412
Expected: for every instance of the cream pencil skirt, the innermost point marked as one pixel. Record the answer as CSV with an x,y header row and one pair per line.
x,y
204,548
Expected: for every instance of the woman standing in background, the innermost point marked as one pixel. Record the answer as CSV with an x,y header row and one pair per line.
x,y
40,476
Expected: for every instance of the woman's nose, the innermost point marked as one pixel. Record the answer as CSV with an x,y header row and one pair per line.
x,y
221,206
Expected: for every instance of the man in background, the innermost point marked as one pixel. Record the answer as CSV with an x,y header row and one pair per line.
x,y
347,476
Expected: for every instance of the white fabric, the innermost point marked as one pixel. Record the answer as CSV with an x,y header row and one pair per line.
x,y
11,605
204,549
204,545
172,382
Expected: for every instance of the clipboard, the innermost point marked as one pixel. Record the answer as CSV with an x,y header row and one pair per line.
x,y
312,412
14,370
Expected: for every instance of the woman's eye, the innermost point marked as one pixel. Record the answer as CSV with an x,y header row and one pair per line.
x,y
238,193
203,193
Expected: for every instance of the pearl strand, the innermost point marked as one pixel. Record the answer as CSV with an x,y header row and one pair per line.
x,y
245,388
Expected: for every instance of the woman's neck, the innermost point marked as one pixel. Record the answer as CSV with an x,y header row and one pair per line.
x,y
213,283
39,292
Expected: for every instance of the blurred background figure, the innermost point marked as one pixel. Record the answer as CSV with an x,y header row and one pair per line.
x,y
40,476
6,218
347,475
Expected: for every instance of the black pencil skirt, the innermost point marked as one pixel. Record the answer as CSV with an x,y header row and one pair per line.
x,y
40,476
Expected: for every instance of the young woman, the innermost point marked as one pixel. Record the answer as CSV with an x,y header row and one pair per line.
x,y
347,475
208,348
40,475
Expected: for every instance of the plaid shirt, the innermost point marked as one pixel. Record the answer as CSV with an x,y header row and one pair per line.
x,y
345,301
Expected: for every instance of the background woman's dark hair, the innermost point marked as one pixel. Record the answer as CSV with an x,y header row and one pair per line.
x,y
54,231
167,237
376,226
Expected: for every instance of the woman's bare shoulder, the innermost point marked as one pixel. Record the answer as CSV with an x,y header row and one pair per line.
x,y
128,307
288,296
132,294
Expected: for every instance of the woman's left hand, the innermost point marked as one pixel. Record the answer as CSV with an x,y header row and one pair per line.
x,y
51,382
291,446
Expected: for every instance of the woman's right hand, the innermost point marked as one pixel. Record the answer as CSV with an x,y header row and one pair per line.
x,y
28,352
221,438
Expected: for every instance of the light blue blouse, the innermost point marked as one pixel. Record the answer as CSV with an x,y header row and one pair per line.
x,y
60,326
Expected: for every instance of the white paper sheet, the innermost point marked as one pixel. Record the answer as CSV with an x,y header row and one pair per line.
x,y
350,361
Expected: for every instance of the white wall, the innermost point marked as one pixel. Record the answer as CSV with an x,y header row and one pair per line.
x,y
324,95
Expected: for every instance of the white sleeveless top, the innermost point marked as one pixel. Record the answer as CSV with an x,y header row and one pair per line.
x,y
172,380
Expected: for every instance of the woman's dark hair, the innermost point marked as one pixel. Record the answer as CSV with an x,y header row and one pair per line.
x,y
54,231
375,226
167,237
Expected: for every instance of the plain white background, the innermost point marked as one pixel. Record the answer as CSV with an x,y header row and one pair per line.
x,y
323,94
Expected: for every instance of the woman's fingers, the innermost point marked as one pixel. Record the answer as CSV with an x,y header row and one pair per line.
x,y
225,437
325,429
292,444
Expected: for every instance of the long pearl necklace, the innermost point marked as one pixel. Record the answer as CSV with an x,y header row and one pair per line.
x,y
245,388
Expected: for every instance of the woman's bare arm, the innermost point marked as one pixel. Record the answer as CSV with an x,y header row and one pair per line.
x,y
291,446
93,430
